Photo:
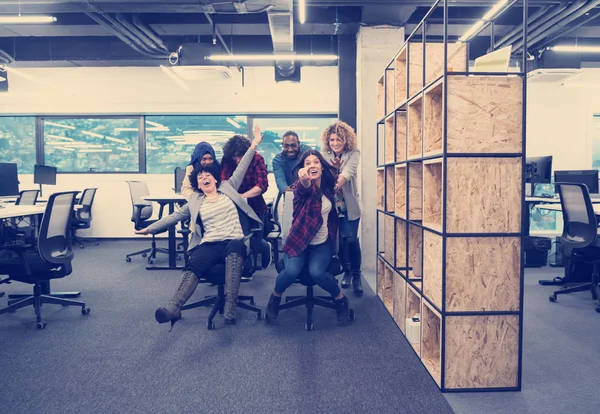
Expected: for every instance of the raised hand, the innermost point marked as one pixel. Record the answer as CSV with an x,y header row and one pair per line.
x,y
337,162
257,137
303,175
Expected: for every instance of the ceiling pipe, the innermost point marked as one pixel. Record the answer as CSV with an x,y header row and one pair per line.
x,y
5,58
141,42
516,33
543,29
149,32
566,32
136,32
281,25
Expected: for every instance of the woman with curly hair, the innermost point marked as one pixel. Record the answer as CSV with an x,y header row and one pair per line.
x,y
339,149
255,181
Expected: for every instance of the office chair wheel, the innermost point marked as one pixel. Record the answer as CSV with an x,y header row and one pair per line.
x,y
310,327
144,255
259,315
150,261
85,311
128,259
41,325
81,246
352,315
552,298
210,325
252,302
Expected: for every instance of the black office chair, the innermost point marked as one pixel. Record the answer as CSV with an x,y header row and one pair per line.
x,y
82,217
310,300
216,276
23,227
27,198
581,233
142,211
179,175
50,259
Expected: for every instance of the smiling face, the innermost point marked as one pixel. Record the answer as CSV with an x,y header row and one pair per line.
x,y
336,143
206,182
314,167
207,159
290,146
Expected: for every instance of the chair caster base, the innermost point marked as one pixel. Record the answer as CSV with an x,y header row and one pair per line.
x,y
85,311
259,315
351,315
598,308
128,259
552,298
210,325
41,325
144,255
309,327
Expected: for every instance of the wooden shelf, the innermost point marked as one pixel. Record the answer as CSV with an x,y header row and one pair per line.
x,y
400,70
401,244
415,191
431,344
389,140
400,303
413,308
400,184
390,192
432,194
401,129
389,93
433,119
415,117
380,189
385,285
457,59
415,251
388,243
432,267
380,98
415,63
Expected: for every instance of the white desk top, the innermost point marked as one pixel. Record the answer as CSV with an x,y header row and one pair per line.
x,y
542,200
557,207
165,198
17,211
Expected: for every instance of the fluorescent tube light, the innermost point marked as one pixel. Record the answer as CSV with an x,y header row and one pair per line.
x,y
26,19
272,57
302,11
126,148
486,18
294,128
120,141
150,147
65,149
471,31
232,122
92,134
60,137
494,10
95,150
209,132
163,129
576,49
121,129
155,124
54,124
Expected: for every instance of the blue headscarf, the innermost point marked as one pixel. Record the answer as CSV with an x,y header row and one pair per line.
x,y
200,151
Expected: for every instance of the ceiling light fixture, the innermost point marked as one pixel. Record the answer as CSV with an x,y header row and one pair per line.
x,y
233,123
302,11
485,19
576,49
20,19
54,124
269,57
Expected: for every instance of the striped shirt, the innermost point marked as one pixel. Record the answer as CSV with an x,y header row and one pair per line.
x,y
221,220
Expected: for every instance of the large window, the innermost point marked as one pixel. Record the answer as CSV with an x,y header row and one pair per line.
x,y
170,140
309,130
92,144
17,142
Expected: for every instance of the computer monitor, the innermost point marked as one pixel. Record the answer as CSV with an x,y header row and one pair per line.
x,y
9,184
587,177
44,174
179,174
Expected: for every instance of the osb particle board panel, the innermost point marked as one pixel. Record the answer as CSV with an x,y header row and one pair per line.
x,y
400,303
389,238
482,351
415,191
389,140
413,302
380,278
485,114
433,122
483,195
432,267
389,93
388,295
400,244
380,99
431,327
415,248
432,195
401,136
380,193
400,85
482,274
457,59
415,74
390,193
415,128
400,192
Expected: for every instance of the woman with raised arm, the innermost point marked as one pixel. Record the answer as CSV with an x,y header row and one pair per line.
x,y
217,235
339,149
203,155
312,235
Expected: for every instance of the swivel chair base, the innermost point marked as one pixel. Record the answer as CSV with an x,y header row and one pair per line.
x,y
37,299
81,240
310,300
151,250
218,305
594,287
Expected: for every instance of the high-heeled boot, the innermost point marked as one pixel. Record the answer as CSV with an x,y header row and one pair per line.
x,y
343,255
355,259
172,312
233,275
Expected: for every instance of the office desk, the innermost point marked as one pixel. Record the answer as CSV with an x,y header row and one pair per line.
x,y
170,200
557,207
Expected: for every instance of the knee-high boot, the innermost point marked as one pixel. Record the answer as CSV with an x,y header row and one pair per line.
x,y
172,312
233,274
355,264
343,256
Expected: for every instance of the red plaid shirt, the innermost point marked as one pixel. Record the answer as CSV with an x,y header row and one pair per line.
x,y
307,219
255,176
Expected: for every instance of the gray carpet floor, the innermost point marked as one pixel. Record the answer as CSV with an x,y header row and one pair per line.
x,y
118,359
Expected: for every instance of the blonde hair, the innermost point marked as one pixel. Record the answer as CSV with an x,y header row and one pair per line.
x,y
342,130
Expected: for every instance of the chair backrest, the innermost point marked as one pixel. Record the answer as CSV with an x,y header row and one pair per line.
x,y
27,198
580,224
137,190
54,243
87,199
179,174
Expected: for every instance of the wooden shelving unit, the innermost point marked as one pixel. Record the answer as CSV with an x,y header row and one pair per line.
x,y
451,187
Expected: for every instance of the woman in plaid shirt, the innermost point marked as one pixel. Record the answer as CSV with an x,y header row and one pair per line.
x,y
313,233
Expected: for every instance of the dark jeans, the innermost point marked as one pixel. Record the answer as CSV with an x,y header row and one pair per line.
x,y
349,243
318,258
206,255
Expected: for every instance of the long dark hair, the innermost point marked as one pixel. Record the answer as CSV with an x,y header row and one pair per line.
x,y
328,179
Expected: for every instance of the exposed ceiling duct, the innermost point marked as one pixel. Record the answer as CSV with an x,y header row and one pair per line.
x,y
281,25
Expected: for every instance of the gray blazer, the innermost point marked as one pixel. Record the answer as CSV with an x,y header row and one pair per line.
x,y
191,210
350,161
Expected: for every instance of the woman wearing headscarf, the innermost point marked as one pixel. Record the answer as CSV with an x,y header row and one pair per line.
x,y
203,155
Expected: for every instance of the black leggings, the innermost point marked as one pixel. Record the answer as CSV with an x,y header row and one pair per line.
x,y
206,255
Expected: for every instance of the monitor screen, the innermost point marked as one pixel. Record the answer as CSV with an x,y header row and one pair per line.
x,y
9,184
44,174
587,177
179,176
539,170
